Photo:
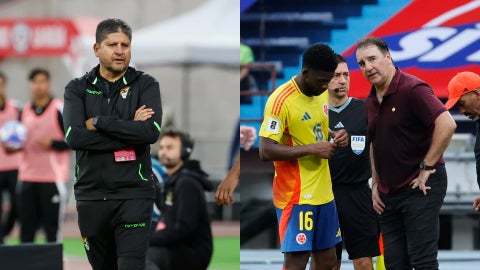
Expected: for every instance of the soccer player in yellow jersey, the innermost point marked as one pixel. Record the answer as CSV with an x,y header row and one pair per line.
x,y
295,135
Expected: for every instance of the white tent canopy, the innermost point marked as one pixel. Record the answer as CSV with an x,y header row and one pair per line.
x,y
208,34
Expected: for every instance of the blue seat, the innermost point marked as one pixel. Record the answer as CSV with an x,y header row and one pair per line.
x,y
280,30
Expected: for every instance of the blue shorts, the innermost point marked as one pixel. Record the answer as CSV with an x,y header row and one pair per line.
x,y
308,227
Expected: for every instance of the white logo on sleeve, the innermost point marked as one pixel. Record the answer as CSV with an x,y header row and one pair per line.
x,y
273,125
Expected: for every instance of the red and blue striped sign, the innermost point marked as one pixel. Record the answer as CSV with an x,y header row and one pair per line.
x,y
431,39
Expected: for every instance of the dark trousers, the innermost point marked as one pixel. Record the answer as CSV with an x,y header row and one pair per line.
x,y
115,233
158,258
410,225
40,205
8,182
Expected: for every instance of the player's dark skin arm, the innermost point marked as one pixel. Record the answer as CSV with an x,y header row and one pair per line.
x,y
270,150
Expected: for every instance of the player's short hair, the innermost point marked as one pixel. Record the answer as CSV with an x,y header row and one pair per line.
x,y
109,26
367,41
185,138
38,71
340,58
319,57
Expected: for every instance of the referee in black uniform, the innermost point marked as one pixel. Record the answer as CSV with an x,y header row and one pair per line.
x,y
350,171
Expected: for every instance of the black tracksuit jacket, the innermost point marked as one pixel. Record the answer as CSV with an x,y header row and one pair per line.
x,y
98,176
187,234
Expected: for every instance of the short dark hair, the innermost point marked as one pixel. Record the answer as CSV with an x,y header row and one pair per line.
x,y
38,71
185,138
109,26
367,41
3,77
340,58
319,57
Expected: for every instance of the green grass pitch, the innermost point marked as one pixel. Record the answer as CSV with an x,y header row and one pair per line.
x,y
226,253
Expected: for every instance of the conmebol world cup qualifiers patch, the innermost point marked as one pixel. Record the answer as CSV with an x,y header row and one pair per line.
x,y
433,40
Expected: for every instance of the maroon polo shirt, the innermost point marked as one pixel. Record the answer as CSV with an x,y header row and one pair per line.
x,y
401,130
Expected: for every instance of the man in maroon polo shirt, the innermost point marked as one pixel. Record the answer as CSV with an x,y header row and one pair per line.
x,y
408,130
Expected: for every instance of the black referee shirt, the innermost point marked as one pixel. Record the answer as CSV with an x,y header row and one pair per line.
x,y
350,164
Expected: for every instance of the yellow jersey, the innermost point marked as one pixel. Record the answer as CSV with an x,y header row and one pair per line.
x,y
292,118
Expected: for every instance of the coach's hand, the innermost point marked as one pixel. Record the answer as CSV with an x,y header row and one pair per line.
x,y
89,124
143,113
323,149
476,204
421,180
378,204
340,137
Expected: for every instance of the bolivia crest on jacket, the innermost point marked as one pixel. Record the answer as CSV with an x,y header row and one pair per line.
x,y
124,92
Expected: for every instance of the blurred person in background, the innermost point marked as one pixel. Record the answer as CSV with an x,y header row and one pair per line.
x,y
44,162
160,174
9,162
247,81
112,115
464,91
350,171
224,194
182,239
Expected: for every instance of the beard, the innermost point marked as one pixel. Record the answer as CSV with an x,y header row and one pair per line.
x,y
116,71
169,162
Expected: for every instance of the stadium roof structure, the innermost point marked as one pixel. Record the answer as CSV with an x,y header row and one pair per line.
x,y
209,34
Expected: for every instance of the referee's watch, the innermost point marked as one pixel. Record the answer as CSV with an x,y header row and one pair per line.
x,y
95,120
424,166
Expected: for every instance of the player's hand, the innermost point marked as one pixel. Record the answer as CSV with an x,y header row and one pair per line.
x,y
247,136
476,204
340,137
421,180
378,204
323,149
89,124
143,113
224,194
46,143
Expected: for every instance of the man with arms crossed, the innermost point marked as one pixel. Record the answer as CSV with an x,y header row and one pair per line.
x,y
112,115
408,130
294,134
350,172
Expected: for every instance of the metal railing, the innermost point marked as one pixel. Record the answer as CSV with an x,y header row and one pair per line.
x,y
273,79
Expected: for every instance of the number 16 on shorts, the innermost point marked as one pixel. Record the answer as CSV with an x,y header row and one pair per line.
x,y
305,220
